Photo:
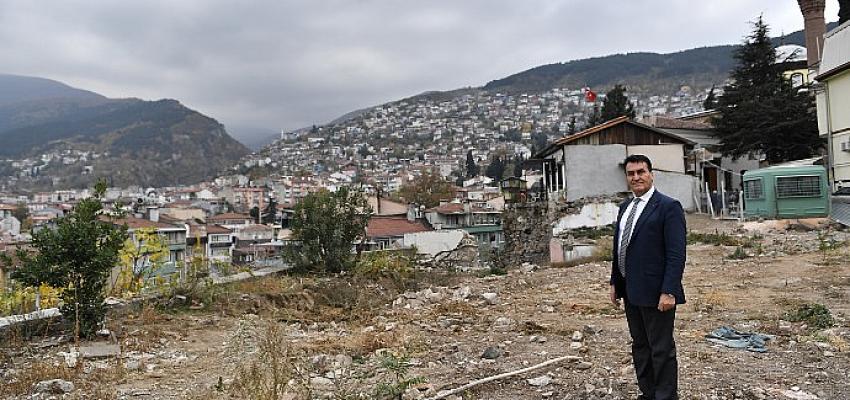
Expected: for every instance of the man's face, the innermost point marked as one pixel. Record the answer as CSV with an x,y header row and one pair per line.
x,y
638,177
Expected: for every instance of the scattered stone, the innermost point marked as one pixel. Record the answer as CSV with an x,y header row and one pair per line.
x,y
54,386
70,357
796,394
99,350
575,345
546,308
342,361
492,353
577,336
321,382
132,365
462,293
528,268
503,324
434,297
537,339
491,298
584,365
591,329
540,381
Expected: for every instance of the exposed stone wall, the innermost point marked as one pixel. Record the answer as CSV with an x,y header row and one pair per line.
x,y
527,231
528,227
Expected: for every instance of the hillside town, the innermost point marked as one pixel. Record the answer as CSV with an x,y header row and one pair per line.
x,y
384,142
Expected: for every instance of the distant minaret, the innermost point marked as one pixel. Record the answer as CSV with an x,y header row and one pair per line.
x,y
815,25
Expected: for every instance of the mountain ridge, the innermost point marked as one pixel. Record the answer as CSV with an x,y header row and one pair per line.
x,y
68,138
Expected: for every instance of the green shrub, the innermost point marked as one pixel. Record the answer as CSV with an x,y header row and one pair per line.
x,y
384,264
739,254
816,315
396,369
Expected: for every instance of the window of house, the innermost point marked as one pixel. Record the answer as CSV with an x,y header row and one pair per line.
x,y
797,186
753,189
796,80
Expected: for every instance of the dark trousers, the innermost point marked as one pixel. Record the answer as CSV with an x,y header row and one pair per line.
x,y
654,351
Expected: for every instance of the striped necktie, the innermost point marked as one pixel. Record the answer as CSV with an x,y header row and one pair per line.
x,y
625,237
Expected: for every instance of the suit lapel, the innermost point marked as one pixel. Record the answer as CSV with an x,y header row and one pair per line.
x,y
650,208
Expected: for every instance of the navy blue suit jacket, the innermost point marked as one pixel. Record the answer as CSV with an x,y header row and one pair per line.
x,y
655,258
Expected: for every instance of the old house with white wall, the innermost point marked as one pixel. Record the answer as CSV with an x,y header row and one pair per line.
x,y
589,163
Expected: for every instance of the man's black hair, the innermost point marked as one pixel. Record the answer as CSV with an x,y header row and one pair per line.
x,y
638,158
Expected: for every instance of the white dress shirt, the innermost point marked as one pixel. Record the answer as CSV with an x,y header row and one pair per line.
x,y
640,207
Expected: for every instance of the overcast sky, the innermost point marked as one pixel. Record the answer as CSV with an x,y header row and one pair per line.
x,y
286,64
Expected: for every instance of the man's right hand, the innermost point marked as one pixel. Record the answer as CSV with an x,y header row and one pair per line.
x,y
614,299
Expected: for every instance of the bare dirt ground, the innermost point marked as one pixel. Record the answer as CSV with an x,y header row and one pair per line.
x,y
302,337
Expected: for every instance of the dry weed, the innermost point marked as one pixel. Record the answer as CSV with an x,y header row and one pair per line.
x,y
273,372
92,385
22,380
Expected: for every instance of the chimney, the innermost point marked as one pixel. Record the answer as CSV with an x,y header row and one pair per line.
x,y
815,26
412,212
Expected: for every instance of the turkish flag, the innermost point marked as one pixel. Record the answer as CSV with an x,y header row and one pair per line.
x,y
589,95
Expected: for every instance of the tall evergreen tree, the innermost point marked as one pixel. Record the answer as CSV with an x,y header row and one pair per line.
x,y
710,101
616,105
843,11
572,126
540,140
595,117
760,113
518,161
269,214
471,167
254,212
496,169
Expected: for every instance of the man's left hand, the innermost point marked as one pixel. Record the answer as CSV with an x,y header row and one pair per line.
x,y
666,302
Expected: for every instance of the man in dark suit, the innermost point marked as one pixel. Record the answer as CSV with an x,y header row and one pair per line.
x,y
649,259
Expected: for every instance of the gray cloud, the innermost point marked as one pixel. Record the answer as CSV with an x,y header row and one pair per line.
x,y
288,64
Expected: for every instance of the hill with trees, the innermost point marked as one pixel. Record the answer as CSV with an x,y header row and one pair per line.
x,y
699,67
127,141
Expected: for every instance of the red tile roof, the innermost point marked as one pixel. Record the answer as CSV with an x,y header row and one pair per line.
x,y
216,229
448,208
663,122
221,217
138,223
394,226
